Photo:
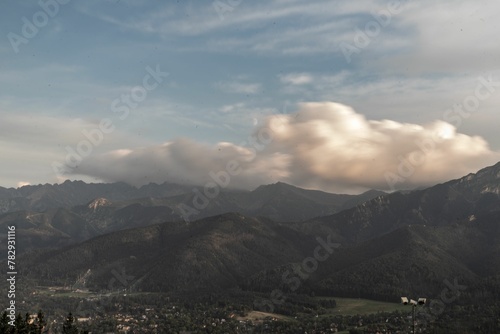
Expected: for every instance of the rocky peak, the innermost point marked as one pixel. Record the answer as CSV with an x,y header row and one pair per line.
x,y
97,203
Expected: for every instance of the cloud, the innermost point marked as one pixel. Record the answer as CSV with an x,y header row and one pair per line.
x,y
296,78
409,99
228,108
188,162
243,113
323,145
320,24
238,87
31,141
450,36
332,147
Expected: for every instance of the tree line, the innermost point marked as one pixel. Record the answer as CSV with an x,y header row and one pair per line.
x,y
36,324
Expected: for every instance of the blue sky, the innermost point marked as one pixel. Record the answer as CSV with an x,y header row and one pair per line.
x,y
233,66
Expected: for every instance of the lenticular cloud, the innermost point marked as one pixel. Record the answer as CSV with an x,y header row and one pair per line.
x,y
325,146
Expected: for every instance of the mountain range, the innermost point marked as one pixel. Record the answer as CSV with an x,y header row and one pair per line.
x,y
384,247
58,215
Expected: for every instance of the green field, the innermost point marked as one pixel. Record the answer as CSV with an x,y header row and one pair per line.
x,y
345,306
353,306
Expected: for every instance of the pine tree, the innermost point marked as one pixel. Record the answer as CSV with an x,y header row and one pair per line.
x,y
40,323
69,326
28,326
4,323
20,324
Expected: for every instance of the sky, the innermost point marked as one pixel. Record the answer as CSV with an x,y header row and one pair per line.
x,y
341,96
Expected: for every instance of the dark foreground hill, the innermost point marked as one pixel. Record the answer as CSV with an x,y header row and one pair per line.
x,y
233,251
213,253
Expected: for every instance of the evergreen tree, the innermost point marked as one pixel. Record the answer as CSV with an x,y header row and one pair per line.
x,y
4,323
40,323
30,325
21,327
69,326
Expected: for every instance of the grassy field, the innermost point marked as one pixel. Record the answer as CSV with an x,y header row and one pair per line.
x,y
257,316
345,306
352,306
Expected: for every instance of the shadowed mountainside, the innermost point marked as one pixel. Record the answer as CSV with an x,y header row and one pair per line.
x,y
441,205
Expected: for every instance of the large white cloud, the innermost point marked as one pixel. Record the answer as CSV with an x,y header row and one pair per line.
x,y
188,162
332,147
324,146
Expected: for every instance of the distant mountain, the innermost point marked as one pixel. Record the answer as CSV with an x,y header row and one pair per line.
x,y
269,200
40,198
281,202
104,208
441,205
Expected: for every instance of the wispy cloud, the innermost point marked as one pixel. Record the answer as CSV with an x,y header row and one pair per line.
x,y
296,78
321,28
465,42
232,107
238,87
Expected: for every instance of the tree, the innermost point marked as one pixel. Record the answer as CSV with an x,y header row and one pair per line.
x,y
69,326
4,323
20,324
39,323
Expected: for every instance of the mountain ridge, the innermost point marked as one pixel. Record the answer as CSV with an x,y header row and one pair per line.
x,y
105,208
72,193
438,205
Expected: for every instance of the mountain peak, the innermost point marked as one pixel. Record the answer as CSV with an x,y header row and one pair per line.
x,y
278,184
98,202
484,181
